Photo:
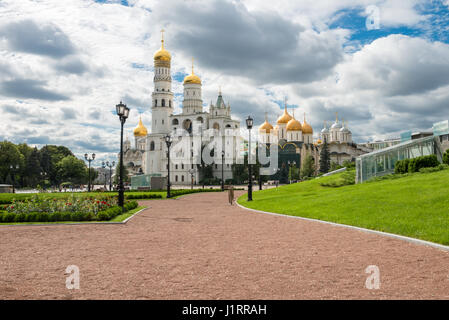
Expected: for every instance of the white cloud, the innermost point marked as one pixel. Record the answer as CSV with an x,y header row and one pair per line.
x,y
381,87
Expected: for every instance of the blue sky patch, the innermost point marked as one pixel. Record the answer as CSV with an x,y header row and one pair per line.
x,y
435,27
179,76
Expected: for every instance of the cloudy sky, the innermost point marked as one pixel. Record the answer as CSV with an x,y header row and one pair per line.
x,y
64,65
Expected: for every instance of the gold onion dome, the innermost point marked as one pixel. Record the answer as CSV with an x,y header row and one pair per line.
x,y
285,117
306,128
140,130
162,54
293,124
266,126
192,78
319,141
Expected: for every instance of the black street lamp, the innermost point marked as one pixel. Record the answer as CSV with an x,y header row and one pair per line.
x,y
249,126
222,170
192,174
86,156
14,170
168,141
122,112
110,166
103,165
290,169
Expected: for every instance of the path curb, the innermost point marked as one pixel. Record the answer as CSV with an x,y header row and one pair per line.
x,y
386,234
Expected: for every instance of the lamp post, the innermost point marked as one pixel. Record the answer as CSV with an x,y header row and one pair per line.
x,y
249,126
168,141
192,173
103,165
14,170
110,166
86,156
122,112
222,170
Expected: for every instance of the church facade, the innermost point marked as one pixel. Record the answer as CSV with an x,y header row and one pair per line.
x,y
194,126
339,140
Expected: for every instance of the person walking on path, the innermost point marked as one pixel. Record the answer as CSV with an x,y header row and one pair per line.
x,y
231,194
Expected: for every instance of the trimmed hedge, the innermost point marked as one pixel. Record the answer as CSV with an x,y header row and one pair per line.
x,y
143,196
423,162
415,164
104,215
401,166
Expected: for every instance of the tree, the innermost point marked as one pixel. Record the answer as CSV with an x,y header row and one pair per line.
x,y
325,158
9,156
240,171
56,154
33,168
72,169
93,174
335,166
26,151
117,174
308,167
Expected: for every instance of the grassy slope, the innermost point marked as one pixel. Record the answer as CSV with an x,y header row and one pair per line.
x,y
119,218
415,206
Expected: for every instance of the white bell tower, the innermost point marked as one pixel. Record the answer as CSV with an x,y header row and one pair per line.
x,y
162,97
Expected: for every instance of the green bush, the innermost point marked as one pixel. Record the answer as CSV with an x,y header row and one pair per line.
x,y
112,212
440,167
401,166
102,216
21,217
422,162
32,216
56,216
446,157
42,217
8,217
144,196
130,205
66,216
345,179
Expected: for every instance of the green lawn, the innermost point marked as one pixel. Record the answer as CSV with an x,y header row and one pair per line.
x,y
416,205
118,218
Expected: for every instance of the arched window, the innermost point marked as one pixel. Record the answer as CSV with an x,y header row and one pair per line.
x,y
175,122
200,119
176,178
163,102
169,103
155,102
182,178
151,145
216,126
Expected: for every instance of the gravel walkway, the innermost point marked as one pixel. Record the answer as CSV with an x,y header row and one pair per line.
x,y
200,247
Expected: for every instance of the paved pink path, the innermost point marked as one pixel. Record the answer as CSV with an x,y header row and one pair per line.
x,y
200,247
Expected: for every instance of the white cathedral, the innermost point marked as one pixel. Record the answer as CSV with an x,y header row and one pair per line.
x,y
150,153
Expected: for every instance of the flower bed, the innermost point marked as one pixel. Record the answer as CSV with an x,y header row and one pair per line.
x,y
71,209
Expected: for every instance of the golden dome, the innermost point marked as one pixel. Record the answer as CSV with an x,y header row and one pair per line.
x,y
285,118
319,141
294,125
306,128
162,54
140,130
192,78
266,126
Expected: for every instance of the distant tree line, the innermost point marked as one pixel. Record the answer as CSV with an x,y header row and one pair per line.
x,y
49,166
